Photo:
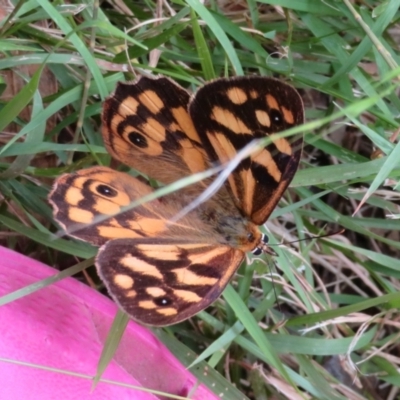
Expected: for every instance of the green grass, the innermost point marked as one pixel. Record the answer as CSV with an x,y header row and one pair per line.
x,y
339,296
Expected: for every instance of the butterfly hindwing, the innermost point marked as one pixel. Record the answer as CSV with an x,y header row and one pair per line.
x,y
146,125
228,115
161,282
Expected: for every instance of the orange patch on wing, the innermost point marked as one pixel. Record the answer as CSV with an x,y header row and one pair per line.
x,y
185,123
222,146
147,304
167,311
225,152
265,159
123,281
141,267
236,95
160,251
79,215
106,207
117,232
287,115
229,120
283,146
263,118
154,130
187,277
207,256
73,195
187,295
116,120
80,181
233,187
128,107
151,100
155,291
249,185
272,103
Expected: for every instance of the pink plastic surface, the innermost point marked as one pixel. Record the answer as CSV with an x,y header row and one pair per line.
x,y
63,327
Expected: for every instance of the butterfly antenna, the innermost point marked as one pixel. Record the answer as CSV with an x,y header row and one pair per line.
x,y
311,237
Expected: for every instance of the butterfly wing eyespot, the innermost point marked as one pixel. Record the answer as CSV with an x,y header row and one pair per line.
x,y
106,190
146,125
161,282
228,115
138,140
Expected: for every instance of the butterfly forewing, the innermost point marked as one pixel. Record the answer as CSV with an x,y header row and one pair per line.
x,y
228,115
93,205
161,282
146,125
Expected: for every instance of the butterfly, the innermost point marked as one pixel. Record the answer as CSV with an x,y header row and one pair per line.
x,y
159,269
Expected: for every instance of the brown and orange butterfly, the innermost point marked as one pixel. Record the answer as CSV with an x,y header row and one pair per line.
x,y
160,269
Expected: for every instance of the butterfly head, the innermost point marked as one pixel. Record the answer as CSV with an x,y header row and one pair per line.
x,y
252,240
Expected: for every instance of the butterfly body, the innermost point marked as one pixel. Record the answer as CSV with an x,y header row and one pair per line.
x,y
161,268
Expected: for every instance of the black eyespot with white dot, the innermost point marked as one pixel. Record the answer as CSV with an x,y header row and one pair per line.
x,y
276,117
138,139
163,301
106,191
